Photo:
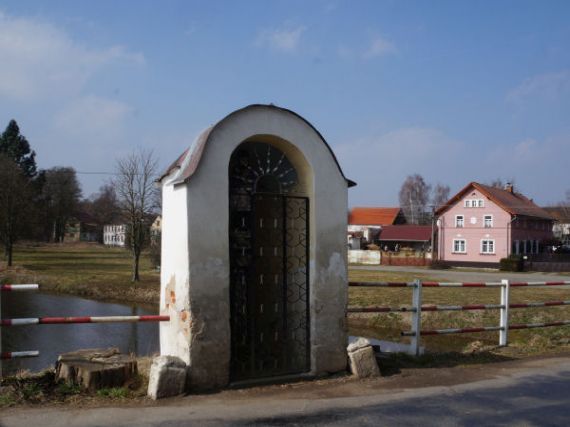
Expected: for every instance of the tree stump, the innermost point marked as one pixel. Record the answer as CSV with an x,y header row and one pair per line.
x,y
94,369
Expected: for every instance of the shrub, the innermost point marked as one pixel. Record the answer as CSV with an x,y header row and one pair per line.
x,y
512,263
439,265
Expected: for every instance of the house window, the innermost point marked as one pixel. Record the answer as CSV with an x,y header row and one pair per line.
x,y
480,203
459,246
467,203
459,221
487,246
488,221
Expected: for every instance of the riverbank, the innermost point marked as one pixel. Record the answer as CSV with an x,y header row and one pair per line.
x,y
87,270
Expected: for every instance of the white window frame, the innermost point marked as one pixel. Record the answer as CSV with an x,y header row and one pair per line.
x,y
462,221
489,243
467,203
464,251
480,203
485,221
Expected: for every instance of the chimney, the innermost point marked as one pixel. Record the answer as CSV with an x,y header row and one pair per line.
x,y
509,187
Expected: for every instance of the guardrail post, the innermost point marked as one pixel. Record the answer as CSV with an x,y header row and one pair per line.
x,y
504,322
416,317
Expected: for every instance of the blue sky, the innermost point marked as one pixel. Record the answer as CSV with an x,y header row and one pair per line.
x,y
457,91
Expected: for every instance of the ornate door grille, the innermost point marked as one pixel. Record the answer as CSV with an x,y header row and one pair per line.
x,y
269,285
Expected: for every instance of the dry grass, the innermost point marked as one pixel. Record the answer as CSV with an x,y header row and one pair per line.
x,y
388,326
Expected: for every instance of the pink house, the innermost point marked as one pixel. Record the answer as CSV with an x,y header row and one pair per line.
x,y
482,224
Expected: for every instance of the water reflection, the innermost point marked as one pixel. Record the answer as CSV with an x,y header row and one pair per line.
x,y
52,340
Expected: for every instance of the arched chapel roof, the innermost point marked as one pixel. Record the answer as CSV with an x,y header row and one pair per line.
x,y
187,163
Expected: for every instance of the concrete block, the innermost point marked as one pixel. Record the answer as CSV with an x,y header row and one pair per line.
x,y
167,377
363,362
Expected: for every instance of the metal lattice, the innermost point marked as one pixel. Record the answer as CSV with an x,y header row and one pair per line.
x,y
269,283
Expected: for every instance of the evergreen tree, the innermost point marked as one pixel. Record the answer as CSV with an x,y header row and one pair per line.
x,y
16,147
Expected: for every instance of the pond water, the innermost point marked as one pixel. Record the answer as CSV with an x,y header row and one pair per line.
x,y
51,340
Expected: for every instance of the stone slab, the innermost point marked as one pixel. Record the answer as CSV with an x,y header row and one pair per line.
x,y
363,362
167,377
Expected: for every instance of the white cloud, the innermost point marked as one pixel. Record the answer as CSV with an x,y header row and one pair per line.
x,y
547,86
282,39
376,47
379,46
40,60
92,117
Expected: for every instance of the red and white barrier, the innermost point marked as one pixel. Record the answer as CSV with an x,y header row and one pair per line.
x,y
382,284
18,354
380,309
453,331
416,308
456,284
85,319
539,304
8,287
541,284
462,307
461,284
540,325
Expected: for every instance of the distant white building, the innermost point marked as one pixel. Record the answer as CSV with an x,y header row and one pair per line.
x,y
114,235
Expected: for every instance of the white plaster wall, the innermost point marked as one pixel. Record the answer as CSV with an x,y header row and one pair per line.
x,y
174,296
208,244
364,257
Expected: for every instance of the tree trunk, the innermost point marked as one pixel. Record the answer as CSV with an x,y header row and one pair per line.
x,y
9,248
136,277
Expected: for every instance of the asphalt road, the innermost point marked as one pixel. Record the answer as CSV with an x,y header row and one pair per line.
x,y
537,395
469,276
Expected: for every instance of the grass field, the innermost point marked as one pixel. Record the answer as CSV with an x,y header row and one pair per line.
x,y
98,272
88,270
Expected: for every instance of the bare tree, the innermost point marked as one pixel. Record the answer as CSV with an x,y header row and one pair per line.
x,y
440,195
414,197
15,204
136,192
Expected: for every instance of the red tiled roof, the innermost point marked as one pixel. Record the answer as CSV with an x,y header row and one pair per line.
x,y
373,216
406,233
512,202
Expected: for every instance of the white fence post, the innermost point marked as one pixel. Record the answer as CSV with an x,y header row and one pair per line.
x,y
504,322
416,317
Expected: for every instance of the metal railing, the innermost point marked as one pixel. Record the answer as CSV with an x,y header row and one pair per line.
x,y
504,306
